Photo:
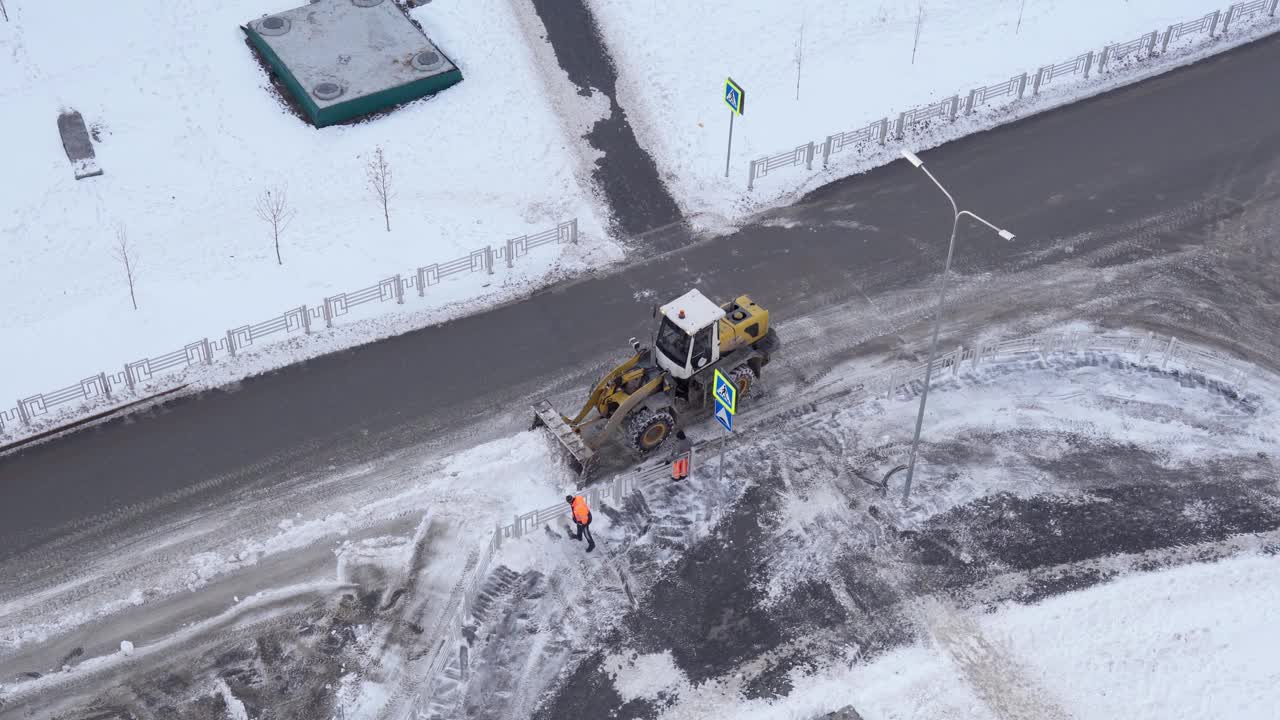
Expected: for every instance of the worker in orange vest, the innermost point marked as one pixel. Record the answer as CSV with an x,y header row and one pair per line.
x,y
581,518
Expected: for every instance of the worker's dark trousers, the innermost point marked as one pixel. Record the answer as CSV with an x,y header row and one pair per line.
x,y
585,531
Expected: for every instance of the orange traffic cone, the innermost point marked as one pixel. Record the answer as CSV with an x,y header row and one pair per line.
x,y
680,469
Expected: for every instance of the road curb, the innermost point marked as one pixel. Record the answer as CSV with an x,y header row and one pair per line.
x,y
78,424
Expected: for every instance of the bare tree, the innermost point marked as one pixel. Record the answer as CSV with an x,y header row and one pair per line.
x,y
800,51
919,25
379,174
273,208
129,258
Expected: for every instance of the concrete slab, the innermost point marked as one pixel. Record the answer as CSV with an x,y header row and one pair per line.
x,y
345,58
78,145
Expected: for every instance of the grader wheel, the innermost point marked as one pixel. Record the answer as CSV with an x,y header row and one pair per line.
x,y
742,377
647,429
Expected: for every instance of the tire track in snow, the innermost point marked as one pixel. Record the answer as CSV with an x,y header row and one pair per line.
x,y
994,676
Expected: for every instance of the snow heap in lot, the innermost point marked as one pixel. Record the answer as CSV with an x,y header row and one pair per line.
x,y
855,63
190,134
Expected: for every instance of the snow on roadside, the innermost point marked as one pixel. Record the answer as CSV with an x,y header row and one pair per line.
x,y
1190,642
855,65
235,708
488,483
184,162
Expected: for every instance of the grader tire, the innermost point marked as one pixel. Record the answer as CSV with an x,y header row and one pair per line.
x,y
647,429
742,377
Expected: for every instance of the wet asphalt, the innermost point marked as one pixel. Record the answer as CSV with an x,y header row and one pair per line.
x,y
626,173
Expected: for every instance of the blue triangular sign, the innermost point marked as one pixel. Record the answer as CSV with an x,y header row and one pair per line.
x,y
723,416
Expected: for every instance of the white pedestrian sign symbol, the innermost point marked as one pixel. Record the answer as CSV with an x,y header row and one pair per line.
x,y
724,395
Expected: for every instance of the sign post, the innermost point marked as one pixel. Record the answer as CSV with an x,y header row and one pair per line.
x,y
736,98
726,396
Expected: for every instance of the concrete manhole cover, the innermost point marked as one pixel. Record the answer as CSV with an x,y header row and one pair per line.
x,y
273,26
427,60
327,90
366,3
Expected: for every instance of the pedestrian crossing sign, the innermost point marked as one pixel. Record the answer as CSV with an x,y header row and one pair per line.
x,y
726,393
734,96
723,417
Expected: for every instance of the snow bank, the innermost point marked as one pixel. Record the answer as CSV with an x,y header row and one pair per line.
x,y
644,676
190,134
484,485
855,65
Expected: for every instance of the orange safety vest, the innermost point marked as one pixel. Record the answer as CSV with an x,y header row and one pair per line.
x,y
581,513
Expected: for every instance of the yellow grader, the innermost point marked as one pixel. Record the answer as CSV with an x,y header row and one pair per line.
x,y
644,399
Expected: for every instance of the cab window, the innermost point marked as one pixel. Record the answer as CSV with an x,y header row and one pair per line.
x,y
673,342
702,347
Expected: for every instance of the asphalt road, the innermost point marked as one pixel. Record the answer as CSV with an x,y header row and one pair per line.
x,y
1150,170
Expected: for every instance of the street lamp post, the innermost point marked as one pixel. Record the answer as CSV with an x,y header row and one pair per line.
x,y
937,318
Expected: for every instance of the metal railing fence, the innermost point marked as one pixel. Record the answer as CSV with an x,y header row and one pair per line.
x,y
99,392
1208,28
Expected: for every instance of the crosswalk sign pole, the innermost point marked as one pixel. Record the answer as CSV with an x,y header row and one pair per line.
x,y
720,470
736,98
729,152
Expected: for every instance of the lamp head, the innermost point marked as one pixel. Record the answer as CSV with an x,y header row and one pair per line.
x,y
911,158
1006,234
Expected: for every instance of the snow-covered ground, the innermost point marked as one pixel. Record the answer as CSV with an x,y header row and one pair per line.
x,y
190,134
1190,642
1010,429
854,65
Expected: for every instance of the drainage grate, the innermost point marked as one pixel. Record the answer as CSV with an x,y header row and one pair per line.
x,y
273,26
327,90
428,60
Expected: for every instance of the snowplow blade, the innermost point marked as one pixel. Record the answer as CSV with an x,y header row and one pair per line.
x,y
581,457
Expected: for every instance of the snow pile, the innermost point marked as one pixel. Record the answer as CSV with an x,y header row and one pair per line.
x,y
235,708
994,430
190,135
648,676
855,65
